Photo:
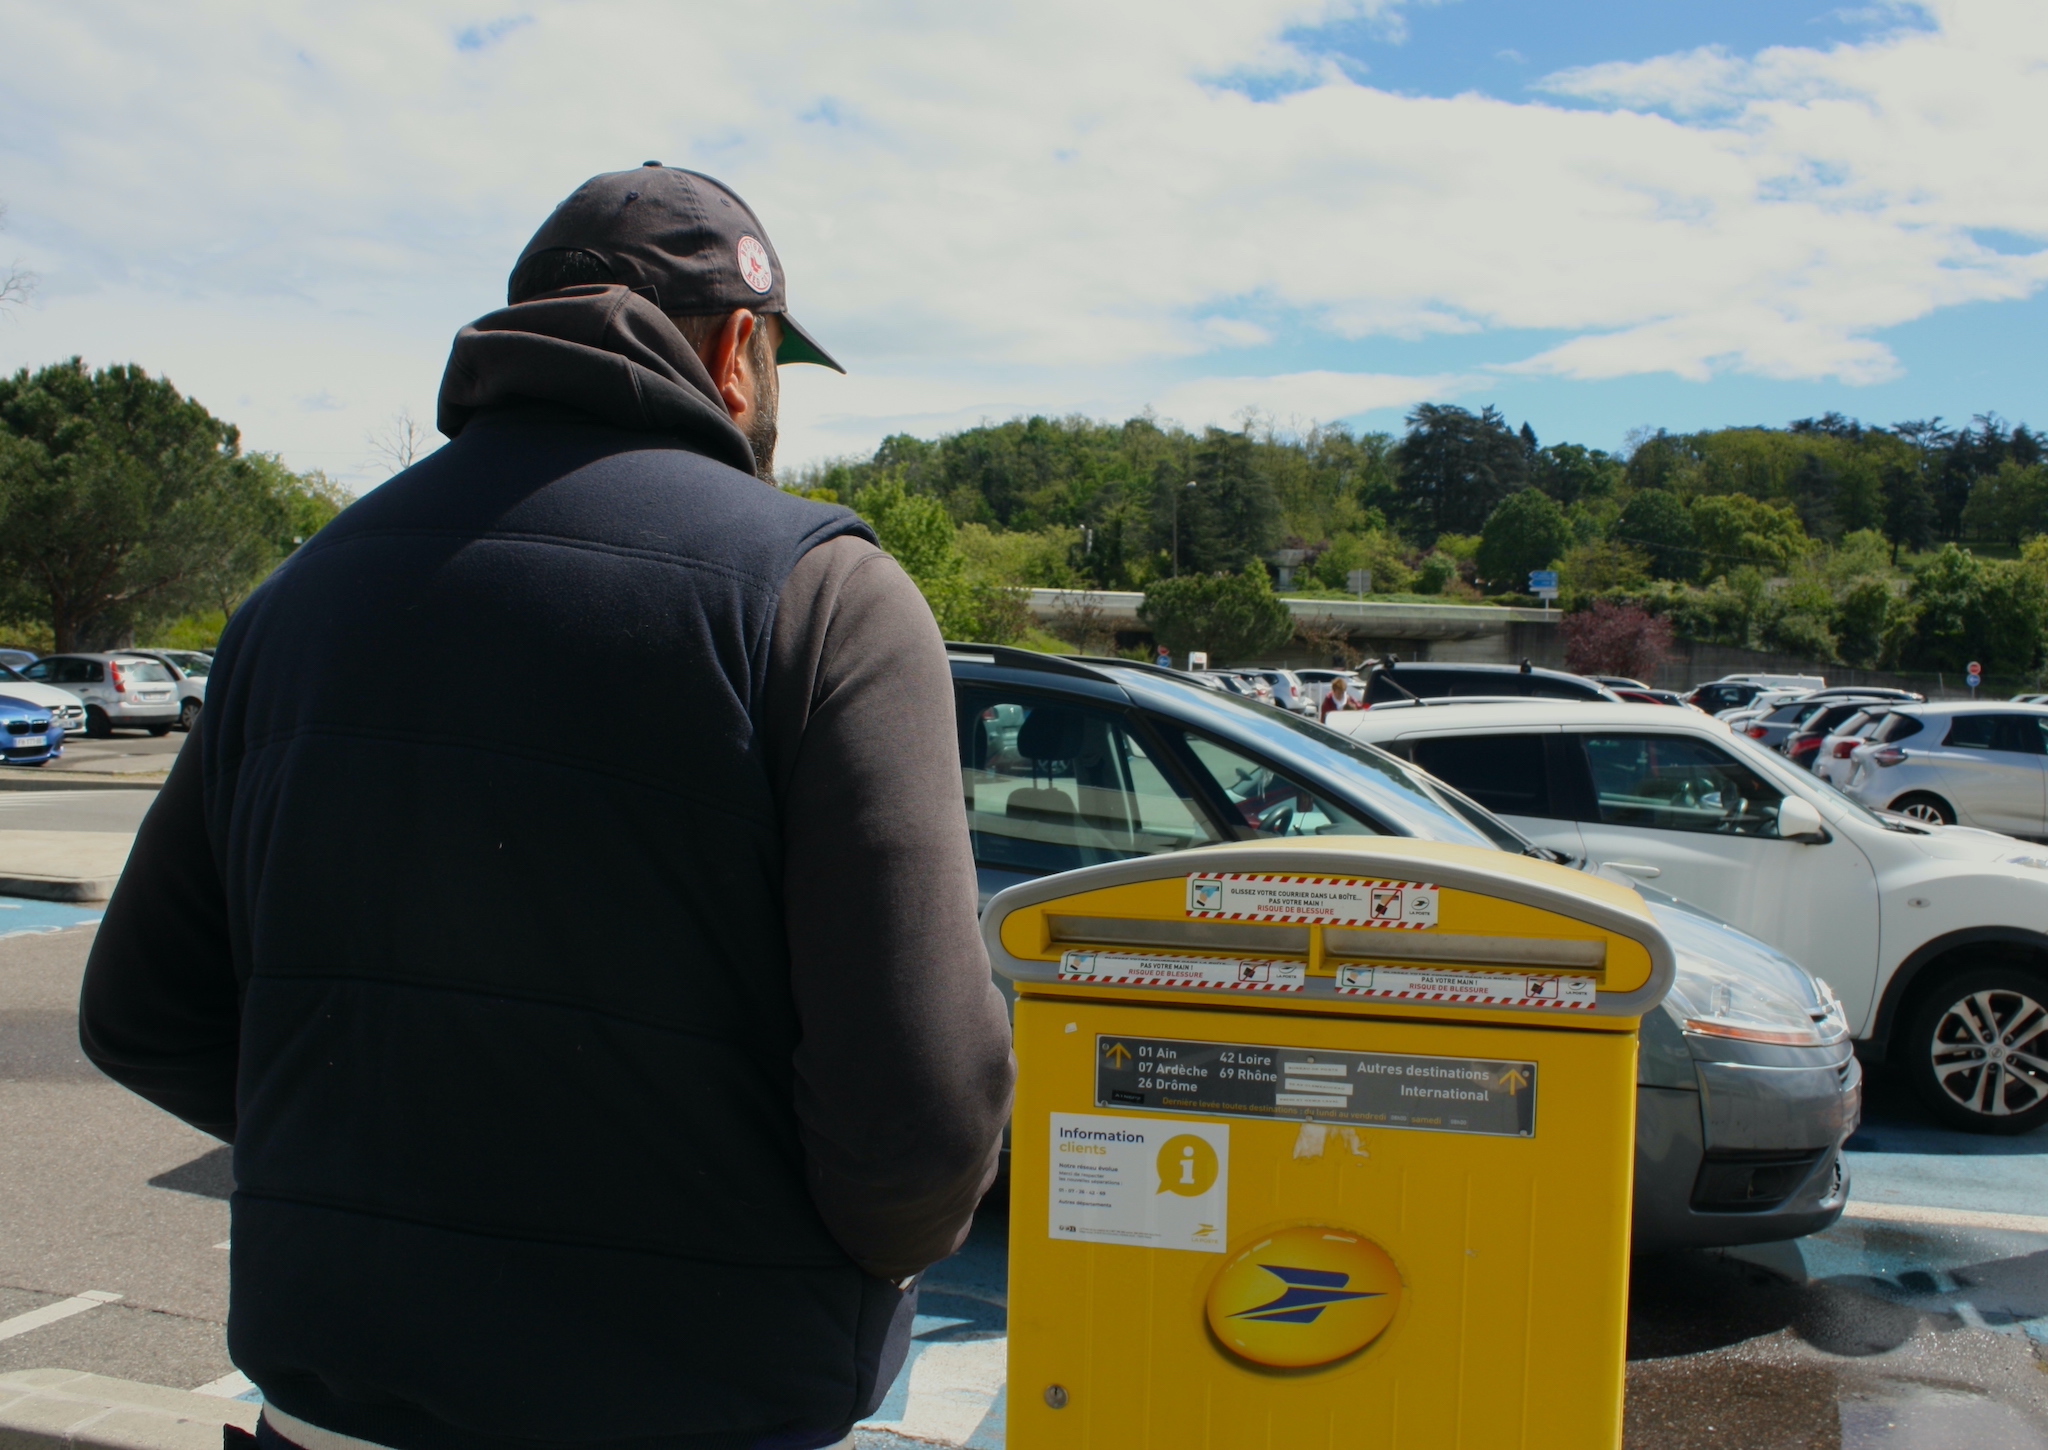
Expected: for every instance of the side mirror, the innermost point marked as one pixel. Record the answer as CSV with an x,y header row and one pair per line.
x,y
1799,821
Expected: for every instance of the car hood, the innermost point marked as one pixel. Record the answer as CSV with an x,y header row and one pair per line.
x,y
45,695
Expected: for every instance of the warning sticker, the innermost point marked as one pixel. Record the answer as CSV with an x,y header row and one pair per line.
x,y
1140,1181
1337,900
1139,969
1498,989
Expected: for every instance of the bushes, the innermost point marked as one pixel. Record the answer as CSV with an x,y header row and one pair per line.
x,y
1231,616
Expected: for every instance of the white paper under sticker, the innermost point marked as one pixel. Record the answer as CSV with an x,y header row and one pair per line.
x,y
1140,1181
1493,989
1145,969
1336,900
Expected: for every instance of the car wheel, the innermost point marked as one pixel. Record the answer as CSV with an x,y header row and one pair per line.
x,y
1977,1050
188,714
1929,810
97,725
159,729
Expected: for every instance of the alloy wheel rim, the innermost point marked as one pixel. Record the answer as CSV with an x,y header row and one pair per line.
x,y
1990,1053
1925,812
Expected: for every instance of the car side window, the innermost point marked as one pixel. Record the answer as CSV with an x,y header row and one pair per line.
x,y
1672,783
1051,785
1504,773
40,670
1973,732
1266,802
86,672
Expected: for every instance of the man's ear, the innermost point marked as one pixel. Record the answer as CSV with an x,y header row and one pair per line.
x,y
726,362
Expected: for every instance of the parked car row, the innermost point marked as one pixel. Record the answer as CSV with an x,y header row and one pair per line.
x,y
153,690
1747,1085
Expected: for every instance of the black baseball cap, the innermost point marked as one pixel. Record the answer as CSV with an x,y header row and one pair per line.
x,y
682,240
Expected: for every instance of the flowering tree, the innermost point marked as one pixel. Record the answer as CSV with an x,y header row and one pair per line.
x,y
1616,639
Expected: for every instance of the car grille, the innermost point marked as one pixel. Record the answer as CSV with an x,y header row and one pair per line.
x,y
28,727
1749,1181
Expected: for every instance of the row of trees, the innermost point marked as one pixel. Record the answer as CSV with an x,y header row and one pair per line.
x,y
125,505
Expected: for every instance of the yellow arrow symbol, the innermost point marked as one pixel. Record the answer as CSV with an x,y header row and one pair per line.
x,y
1119,1056
1514,1080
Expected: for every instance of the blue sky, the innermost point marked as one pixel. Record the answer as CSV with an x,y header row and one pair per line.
x,y
1597,216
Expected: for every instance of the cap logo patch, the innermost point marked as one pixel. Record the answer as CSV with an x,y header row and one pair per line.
x,y
754,268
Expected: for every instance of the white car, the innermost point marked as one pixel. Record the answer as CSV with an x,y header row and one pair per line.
x,y
1831,762
1935,937
190,667
67,711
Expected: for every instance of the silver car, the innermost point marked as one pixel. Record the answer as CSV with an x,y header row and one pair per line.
x,y
1959,764
191,667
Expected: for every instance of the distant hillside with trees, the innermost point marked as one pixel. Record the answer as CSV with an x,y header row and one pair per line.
x,y
1915,546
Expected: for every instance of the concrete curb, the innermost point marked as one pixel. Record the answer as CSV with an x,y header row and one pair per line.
x,y
45,1407
19,779
58,888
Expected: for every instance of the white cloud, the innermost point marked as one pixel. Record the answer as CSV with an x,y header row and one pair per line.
x,y
989,209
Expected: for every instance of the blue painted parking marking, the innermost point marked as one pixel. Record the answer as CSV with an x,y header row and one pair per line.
x,y
19,916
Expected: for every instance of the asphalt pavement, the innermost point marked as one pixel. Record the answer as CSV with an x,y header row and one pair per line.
x,y
1920,1322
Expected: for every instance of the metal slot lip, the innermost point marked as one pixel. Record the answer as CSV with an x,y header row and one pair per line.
x,y
1110,931
1499,951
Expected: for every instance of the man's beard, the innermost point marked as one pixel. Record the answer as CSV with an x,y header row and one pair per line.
x,y
761,431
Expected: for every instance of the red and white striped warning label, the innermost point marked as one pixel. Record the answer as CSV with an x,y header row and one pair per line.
x,y
1491,989
1142,969
1333,900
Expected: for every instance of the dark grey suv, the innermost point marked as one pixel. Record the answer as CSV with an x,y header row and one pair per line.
x,y
1074,762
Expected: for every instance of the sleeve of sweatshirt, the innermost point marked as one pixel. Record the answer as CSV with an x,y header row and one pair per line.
x,y
904,1072
160,1011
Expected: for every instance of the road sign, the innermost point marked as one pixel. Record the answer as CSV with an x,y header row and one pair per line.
x,y
1975,668
1360,581
1543,583
1976,676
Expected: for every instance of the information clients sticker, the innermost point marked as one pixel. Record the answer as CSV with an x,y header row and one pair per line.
x,y
1140,1181
1342,1089
1333,900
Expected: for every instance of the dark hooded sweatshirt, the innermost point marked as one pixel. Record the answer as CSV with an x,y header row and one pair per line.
x,y
565,908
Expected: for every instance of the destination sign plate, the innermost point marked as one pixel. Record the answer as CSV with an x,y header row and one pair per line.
x,y
1348,1089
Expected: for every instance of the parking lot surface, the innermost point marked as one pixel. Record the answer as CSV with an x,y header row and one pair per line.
x,y
1922,1329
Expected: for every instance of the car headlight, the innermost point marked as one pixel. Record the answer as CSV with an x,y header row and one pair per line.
x,y
1714,1001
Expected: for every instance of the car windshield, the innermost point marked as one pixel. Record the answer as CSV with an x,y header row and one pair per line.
x,y
1421,806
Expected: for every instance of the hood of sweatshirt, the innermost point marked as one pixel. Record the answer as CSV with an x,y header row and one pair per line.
x,y
601,350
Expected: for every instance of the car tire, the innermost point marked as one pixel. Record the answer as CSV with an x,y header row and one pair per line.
x,y
1976,1049
159,729
188,715
1924,806
97,725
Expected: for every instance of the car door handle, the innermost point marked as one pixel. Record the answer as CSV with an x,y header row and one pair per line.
x,y
1636,868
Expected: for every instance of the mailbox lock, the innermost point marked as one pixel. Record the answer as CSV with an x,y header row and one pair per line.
x,y
1056,1396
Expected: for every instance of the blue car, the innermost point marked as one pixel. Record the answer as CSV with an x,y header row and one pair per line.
x,y
28,736
1747,1087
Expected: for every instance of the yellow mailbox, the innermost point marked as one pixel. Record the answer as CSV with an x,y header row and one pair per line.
x,y
1322,1145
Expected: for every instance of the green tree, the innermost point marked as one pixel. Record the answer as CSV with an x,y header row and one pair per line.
x,y
1456,467
1661,526
1736,529
1861,613
1377,552
1527,532
2009,505
1962,608
918,532
123,501
1231,616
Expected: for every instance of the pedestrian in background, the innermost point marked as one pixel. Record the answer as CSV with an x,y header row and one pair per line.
x,y
606,1054
1339,697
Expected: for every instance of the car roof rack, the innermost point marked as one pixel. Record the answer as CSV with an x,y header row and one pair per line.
x,y
1010,657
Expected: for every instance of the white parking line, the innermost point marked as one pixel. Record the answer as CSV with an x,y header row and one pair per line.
x,y
50,1313
2026,1223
